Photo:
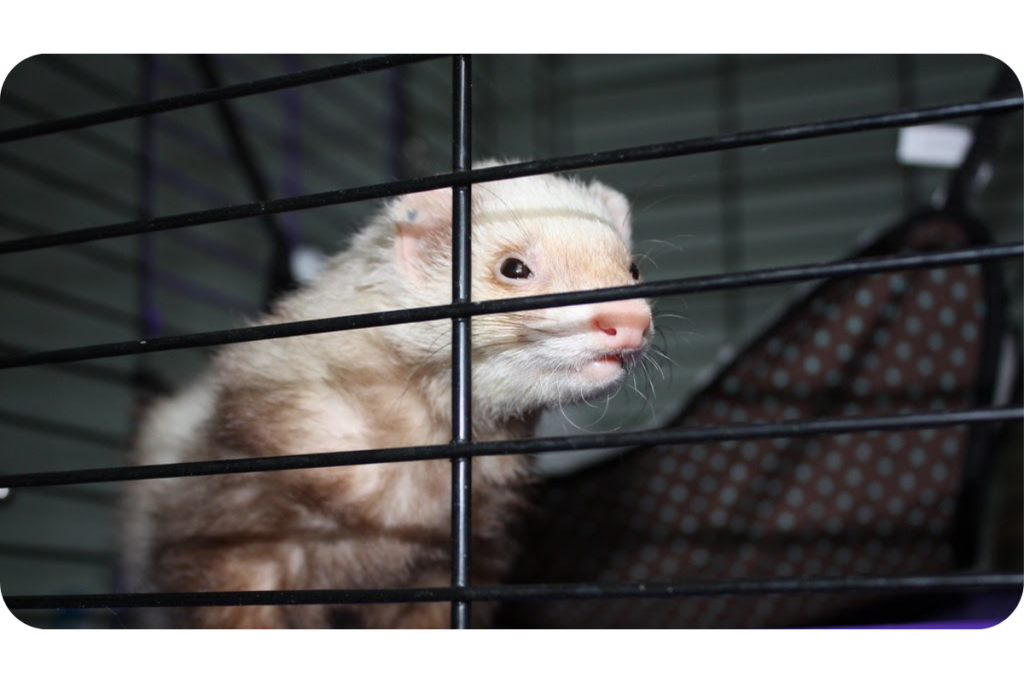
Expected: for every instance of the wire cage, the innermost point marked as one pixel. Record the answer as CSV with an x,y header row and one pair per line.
x,y
631,568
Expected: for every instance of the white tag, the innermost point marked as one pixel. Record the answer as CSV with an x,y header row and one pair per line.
x,y
938,146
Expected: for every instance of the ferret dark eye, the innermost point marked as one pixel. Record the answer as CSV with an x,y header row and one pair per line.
x,y
514,269
634,271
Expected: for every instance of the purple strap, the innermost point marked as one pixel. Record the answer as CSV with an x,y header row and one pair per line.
x,y
925,625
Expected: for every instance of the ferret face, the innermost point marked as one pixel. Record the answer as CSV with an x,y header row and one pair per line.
x,y
555,355
534,236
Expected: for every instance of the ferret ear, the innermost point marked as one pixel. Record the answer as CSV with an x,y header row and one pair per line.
x,y
423,231
618,208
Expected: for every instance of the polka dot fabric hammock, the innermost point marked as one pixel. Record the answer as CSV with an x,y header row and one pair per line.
x,y
882,503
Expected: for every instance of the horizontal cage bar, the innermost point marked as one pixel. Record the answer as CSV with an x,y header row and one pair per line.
x,y
211,95
527,592
651,437
570,163
710,283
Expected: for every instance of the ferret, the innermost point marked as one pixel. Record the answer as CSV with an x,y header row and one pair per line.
x,y
385,525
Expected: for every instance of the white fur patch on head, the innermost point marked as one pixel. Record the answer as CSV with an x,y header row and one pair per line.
x,y
608,204
618,209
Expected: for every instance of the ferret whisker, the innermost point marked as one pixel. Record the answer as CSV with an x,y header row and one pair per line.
x,y
650,382
418,367
654,389
561,408
597,419
607,407
644,258
667,357
687,335
665,244
654,413
517,218
657,367
643,397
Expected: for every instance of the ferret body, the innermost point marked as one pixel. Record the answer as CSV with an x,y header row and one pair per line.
x,y
385,525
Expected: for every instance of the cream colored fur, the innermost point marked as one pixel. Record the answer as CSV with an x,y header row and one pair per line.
x,y
377,525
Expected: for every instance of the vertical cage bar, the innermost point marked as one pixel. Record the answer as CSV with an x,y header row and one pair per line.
x,y
462,429
148,326
986,131
150,323
555,84
292,120
543,100
397,123
730,194
905,96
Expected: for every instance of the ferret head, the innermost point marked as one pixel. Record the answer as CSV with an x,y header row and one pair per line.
x,y
531,236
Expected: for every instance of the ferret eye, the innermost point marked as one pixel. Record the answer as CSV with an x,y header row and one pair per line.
x,y
514,269
634,271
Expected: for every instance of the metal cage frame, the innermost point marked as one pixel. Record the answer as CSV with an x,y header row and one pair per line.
x,y
462,448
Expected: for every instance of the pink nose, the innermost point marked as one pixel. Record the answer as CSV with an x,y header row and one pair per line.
x,y
625,323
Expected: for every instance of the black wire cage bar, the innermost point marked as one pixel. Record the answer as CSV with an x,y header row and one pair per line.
x,y
212,95
461,450
664,150
923,583
653,437
768,276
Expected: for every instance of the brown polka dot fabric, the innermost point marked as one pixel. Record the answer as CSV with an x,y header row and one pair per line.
x,y
864,504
